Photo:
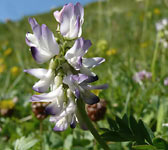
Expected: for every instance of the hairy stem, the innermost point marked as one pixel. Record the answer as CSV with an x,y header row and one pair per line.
x,y
85,118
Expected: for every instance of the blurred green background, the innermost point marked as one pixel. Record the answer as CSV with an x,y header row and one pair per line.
x,y
123,32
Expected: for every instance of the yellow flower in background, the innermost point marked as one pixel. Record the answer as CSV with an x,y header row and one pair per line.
x,y
14,70
5,43
141,17
8,52
7,104
102,45
129,14
1,61
156,11
2,68
96,92
111,52
144,44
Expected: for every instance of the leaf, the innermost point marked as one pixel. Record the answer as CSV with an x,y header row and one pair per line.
x,y
144,147
104,129
160,117
24,143
136,131
144,131
123,125
68,142
113,136
112,124
160,144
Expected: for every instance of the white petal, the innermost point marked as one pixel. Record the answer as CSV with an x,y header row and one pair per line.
x,y
38,72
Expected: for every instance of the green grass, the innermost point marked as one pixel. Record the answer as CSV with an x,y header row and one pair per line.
x,y
124,25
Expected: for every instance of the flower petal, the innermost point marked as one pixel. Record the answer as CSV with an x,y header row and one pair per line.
x,y
43,84
89,97
98,87
92,62
39,56
56,95
53,109
42,42
38,72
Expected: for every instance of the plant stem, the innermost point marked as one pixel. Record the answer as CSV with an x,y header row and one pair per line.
x,y
154,58
41,134
85,118
163,62
144,27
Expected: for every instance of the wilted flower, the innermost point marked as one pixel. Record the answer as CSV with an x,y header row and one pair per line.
x,y
97,111
7,106
71,19
39,110
42,42
142,75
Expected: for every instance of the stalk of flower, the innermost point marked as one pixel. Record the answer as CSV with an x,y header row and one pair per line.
x,y
161,39
68,77
162,28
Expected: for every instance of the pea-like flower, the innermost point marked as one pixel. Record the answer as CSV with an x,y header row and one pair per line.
x,y
71,19
79,86
45,76
66,117
42,42
66,81
56,97
74,56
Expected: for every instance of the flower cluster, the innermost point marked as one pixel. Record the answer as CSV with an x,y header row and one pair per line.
x,y
162,28
141,75
68,77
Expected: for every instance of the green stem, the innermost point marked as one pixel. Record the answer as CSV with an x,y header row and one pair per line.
x,y
85,118
41,134
154,58
144,27
163,62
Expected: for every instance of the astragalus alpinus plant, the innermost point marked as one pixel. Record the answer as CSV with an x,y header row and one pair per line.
x,y
65,85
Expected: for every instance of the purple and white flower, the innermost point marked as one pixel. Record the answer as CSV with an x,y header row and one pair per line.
x,y
46,78
42,42
166,81
161,25
66,117
74,56
71,19
142,75
79,86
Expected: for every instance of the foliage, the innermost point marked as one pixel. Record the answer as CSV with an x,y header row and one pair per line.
x,y
128,27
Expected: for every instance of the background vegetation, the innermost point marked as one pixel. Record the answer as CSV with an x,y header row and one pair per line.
x,y
122,31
